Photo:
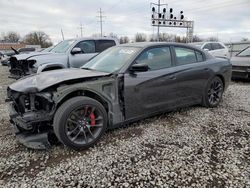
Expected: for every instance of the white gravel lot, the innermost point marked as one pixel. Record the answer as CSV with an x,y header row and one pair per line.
x,y
192,147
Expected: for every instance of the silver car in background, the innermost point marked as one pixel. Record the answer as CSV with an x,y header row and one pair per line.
x,y
241,64
217,49
72,53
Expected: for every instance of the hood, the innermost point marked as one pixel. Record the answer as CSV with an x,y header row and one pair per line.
x,y
41,81
240,61
29,55
49,58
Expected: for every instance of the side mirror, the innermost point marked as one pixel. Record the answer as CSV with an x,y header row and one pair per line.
x,y
76,50
205,49
139,68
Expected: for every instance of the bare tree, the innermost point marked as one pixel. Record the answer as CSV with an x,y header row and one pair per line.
x,y
12,37
38,38
197,39
113,35
244,39
140,37
212,39
124,40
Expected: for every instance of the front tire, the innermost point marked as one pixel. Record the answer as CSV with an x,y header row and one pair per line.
x,y
80,122
213,92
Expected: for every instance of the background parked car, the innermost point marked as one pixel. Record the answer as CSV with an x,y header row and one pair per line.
x,y
122,84
241,64
68,53
5,60
6,56
217,49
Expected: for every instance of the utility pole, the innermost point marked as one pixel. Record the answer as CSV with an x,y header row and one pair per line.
x,y
81,28
62,34
159,15
100,16
158,29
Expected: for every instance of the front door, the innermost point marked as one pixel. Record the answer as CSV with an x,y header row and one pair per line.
x,y
88,51
153,90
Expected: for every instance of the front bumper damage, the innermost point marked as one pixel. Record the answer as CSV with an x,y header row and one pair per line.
x,y
32,127
34,141
21,68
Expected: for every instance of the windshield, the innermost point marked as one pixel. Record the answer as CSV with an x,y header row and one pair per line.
x,y
48,49
245,52
63,46
111,59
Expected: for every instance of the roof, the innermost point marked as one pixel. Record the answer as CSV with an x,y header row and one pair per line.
x,y
149,44
93,38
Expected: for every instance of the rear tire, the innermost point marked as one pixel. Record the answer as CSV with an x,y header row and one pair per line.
x,y
213,92
80,122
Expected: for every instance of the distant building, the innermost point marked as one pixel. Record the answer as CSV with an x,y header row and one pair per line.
x,y
7,46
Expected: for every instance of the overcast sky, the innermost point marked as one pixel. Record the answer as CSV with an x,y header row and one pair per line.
x,y
229,20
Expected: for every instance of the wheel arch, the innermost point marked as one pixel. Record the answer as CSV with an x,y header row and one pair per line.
x,y
86,93
222,79
50,66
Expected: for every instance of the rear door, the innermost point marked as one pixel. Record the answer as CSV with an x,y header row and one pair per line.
x,y
88,48
192,73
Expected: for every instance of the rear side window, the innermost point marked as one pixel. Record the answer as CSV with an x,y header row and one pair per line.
x,y
207,46
185,56
102,45
156,58
217,46
87,46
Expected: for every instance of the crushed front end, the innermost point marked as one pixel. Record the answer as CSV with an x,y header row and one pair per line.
x,y
20,68
31,115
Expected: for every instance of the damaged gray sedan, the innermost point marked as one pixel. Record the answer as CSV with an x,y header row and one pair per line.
x,y
123,84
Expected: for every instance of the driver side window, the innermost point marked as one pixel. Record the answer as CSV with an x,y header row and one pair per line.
x,y
87,46
156,58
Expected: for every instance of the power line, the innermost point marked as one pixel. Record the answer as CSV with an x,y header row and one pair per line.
x,y
215,6
100,16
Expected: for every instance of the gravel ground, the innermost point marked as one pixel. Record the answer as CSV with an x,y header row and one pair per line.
x,y
192,147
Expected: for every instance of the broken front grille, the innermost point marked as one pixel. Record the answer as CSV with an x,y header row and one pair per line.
x,y
20,67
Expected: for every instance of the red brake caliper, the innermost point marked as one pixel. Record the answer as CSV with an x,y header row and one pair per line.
x,y
92,118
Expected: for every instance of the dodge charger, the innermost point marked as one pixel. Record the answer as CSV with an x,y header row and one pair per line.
x,y
122,84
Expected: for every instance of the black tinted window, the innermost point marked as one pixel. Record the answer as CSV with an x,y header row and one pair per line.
x,y
102,45
208,46
156,58
217,46
87,46
185,55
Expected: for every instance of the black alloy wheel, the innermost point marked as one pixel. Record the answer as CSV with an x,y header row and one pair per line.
x,y
213,93
80,122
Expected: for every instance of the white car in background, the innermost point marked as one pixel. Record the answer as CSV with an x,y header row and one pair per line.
x,y
217,49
